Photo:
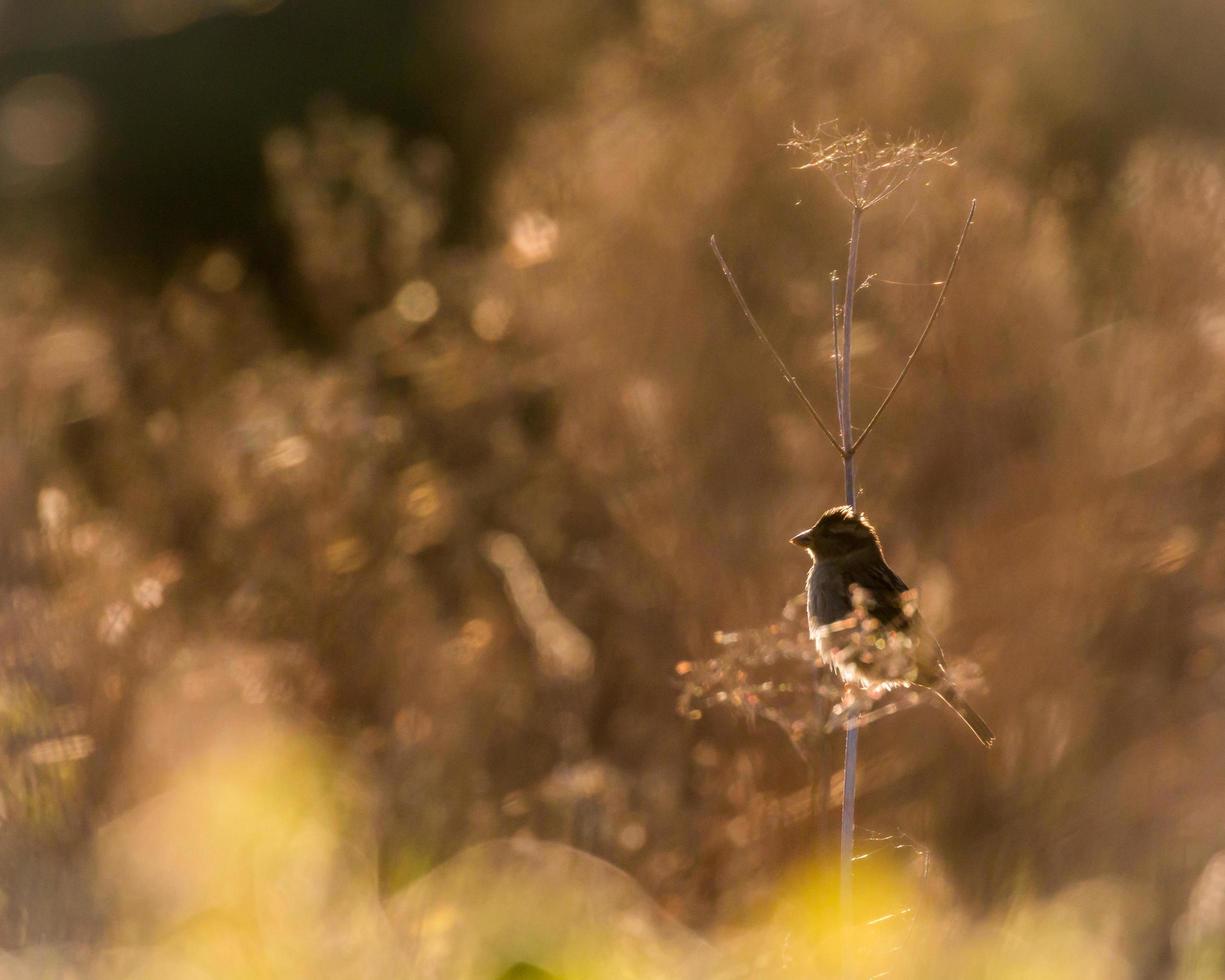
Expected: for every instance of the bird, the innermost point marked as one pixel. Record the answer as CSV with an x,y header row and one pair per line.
x,y
865,620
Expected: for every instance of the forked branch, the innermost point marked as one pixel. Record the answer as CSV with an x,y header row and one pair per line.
x,y
761,335
923,336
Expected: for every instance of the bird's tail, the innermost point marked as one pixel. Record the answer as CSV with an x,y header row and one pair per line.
x,y
952,697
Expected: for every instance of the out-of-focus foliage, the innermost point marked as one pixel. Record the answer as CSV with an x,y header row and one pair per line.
x,y
312,578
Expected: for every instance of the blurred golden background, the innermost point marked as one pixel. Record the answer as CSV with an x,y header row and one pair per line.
x,y
378,433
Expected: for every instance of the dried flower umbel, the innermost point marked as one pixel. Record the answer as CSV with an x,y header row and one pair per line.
x,y
862,170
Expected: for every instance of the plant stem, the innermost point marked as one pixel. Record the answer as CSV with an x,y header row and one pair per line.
x,y
848,471
844,393
833,315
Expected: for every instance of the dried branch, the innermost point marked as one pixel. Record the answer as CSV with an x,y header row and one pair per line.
x,y
926,329
773,674
761,335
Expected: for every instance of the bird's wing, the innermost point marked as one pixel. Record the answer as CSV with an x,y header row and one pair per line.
x,y
928,653
886,589
890,578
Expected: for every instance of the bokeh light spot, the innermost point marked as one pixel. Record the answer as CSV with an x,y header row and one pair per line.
x,y
222,271
533,239
46,120
491,318
417,302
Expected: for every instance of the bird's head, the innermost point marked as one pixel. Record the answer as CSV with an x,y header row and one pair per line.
x,y
840,531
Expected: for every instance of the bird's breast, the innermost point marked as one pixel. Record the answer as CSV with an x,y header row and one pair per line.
x,y
829,598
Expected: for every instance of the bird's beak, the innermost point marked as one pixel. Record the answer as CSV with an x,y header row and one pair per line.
x,y
801,540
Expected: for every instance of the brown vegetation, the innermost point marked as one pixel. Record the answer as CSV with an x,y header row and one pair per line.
x,y
438,561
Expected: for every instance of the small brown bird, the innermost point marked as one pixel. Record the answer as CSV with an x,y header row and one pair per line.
x,y
864,619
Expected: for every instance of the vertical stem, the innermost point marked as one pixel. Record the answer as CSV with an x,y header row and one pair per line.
x,y
848,470
848,812
844,392
833,318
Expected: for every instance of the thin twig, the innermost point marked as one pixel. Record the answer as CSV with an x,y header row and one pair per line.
x,y
900,282
926,329
761,335
833,316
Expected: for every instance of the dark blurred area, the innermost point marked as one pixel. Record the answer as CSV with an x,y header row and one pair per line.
x,y
377,433
181,94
